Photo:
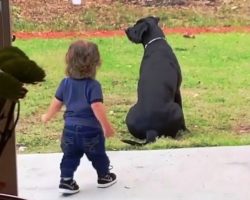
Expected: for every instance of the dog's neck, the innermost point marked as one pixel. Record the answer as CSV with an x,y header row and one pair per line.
x,y
153,40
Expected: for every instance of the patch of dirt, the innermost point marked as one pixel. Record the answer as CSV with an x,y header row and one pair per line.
x,y
58,12
44,12
88,34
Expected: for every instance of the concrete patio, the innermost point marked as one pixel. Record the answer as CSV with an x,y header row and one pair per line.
x,y
215,173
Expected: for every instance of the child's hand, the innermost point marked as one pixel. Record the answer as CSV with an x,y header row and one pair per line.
x,y
109,132
44,118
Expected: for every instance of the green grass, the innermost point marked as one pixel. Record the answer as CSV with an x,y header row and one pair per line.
x,y
215,89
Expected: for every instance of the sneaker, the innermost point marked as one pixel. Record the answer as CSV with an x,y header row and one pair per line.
x,y
68,187
107,180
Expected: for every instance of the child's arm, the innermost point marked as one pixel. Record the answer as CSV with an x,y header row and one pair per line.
x,y
53,109
100,113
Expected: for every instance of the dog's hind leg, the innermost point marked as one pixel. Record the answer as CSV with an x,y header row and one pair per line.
x,y
178,100
151,136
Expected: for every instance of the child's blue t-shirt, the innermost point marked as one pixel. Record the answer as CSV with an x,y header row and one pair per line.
x,y
77,95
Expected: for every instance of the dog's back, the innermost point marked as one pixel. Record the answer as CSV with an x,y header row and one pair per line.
x,y
160,75
159,102
158,82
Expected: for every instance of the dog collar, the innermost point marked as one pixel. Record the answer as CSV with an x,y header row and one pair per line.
x,y
158,38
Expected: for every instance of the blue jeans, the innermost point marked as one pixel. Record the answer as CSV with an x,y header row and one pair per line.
x,y
78,140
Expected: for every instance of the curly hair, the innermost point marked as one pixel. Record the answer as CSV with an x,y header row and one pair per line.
x,y
82,60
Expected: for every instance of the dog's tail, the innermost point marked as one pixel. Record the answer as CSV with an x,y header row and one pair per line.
x,y
134,143
151,136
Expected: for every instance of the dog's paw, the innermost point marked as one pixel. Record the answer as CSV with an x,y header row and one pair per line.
x,y
181,133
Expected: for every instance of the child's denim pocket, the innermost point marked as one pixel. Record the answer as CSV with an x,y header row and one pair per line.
x,y
91,145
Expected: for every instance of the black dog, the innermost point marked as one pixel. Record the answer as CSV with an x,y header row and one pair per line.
x,y
158,111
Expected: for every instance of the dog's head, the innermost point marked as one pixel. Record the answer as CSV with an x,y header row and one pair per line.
x,y
144,30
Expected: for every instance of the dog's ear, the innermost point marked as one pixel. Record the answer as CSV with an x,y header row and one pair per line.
x,y
157,19
142,30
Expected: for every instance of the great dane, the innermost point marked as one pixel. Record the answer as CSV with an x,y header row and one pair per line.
x,y
158,110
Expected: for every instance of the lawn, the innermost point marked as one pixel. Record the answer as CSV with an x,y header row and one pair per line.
x,y
215,90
